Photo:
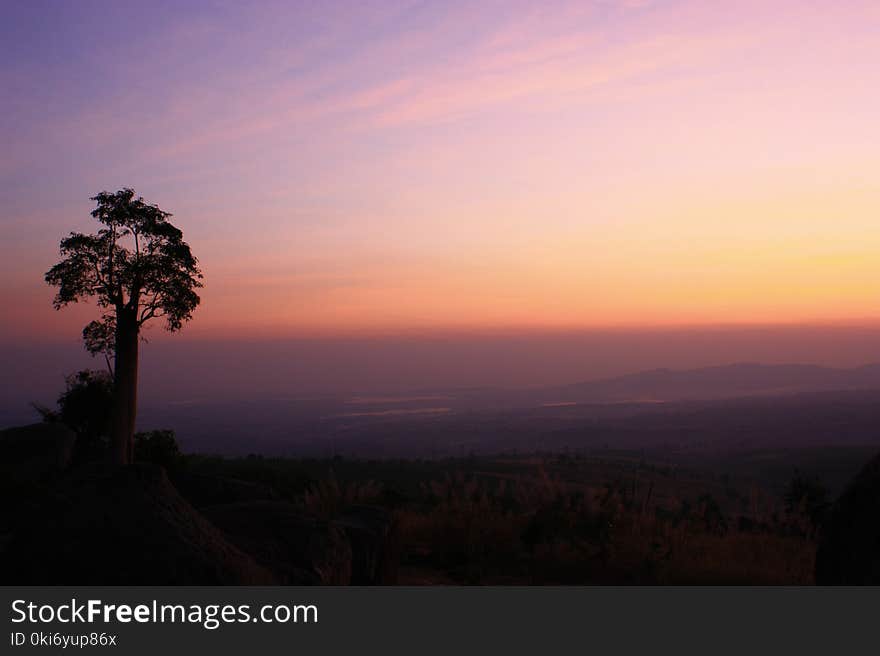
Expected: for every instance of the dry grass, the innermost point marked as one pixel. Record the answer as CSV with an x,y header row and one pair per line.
x,y
328,497
541,530
543,524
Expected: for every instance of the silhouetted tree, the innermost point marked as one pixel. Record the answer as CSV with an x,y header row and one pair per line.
x,y
138,268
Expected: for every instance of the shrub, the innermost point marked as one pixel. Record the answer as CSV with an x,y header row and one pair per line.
x,y
157,446
85,408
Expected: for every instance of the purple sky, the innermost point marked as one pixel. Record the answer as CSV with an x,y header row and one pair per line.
x,y
418,171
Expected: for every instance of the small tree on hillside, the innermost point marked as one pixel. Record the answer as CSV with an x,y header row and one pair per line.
x,y
85,407
138,268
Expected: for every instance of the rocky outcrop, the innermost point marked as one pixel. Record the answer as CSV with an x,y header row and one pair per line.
x,y
299,550
849,550
203,490
99,524
31,453
108,525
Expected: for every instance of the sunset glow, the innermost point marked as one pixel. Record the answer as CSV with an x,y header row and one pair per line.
x,y
397,167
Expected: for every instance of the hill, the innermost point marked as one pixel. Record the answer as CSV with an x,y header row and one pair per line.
x,y
719,382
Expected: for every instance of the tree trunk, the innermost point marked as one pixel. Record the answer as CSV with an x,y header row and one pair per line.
x,y
125,373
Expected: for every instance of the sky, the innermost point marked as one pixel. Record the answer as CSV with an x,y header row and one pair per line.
x,y
354,169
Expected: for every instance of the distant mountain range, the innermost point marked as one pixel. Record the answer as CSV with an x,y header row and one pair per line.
x,y
718,382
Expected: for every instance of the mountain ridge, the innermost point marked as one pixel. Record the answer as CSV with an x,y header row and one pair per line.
x,y
720,382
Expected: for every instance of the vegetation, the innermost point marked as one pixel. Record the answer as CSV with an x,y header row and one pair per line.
x,y
552,519
138,268
85,407
807,499
157,446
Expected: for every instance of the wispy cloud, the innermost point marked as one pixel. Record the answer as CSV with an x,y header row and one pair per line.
x,y
500,65
461,161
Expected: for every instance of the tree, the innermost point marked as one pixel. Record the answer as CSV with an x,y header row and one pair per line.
x,y
137,267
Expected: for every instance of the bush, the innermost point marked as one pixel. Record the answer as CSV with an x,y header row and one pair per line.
x,y
85,407
157,446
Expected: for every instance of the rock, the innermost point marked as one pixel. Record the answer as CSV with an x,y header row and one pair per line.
x,y
203,490
111,525
299,550
849,550
369,529
31,453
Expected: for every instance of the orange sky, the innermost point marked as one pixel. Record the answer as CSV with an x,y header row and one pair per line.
x,y
447,167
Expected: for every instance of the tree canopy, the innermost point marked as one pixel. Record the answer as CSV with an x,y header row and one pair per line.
x,y
138,262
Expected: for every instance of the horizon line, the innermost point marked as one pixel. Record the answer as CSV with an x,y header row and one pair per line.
x,y
460,331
